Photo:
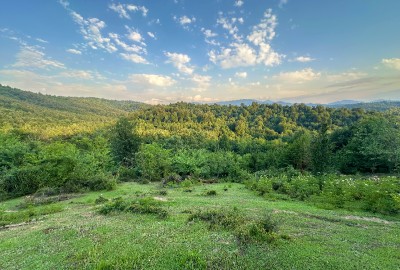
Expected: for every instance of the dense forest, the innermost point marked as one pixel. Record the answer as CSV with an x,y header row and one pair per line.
x,y
303,152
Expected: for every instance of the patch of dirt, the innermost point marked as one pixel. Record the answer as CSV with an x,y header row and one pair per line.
x,y
160,199
371,219
284,212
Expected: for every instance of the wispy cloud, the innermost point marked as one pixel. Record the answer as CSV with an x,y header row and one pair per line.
x,y
239,3
34,57
180,62
282,3
152,35
242,75
150,80
124,9
299,76
392,63
91,29
134,58
135,36
42,40
303,59
185,21
258,49
74,51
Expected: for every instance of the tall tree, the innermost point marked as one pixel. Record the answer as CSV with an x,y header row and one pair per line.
x,y
124,142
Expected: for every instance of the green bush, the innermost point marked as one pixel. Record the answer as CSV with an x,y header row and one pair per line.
x,y
145,205
210,193
217,218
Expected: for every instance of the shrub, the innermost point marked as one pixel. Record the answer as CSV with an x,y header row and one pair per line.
x,y
211,193
145,205
163,193
115,205
100,200
262,230
222,218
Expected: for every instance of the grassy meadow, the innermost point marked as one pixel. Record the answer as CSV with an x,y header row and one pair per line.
x,y
72,234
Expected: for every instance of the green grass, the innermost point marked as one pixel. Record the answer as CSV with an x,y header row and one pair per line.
x,y
79,237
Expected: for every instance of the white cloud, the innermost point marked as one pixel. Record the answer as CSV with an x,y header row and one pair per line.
x,y
120,9
64,3
242,75
152,35
123,9
80,74
33,57
135,36
180,61
299,76
228,24
265,31
303,59
135,58
238,55
91,32
73,51
282,3
142,9
42,40
186,20
202,82
239,3
128,48
209,35
392,63
258,51
150,80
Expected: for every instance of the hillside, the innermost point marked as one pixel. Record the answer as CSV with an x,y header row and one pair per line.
x,y
381,105
33,111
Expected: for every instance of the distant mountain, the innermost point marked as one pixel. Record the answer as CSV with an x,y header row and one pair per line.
x,y
374,106
248,102
379,105
344,102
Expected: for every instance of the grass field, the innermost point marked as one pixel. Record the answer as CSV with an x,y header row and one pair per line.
x,y
72,234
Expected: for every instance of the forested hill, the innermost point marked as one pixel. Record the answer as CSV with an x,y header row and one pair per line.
x,y
380,106
36,113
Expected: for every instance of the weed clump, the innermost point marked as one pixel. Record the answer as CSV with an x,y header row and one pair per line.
x,y
221,218
246,230
261,230
210,193
145,205
100,200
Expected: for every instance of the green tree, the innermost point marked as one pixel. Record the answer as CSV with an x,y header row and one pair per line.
x,y
321,151
124,142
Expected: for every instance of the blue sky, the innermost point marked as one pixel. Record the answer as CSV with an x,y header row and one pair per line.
x,y
161,51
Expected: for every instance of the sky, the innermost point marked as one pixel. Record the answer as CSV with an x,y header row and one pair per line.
x,y
164,51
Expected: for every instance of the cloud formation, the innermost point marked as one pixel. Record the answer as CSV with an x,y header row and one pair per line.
x,y
256,51
180,61
33,57
392,63
124,9
150,80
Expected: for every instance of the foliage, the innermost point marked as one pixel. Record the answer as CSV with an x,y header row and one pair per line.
x,y
124,143
371,194
146,205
